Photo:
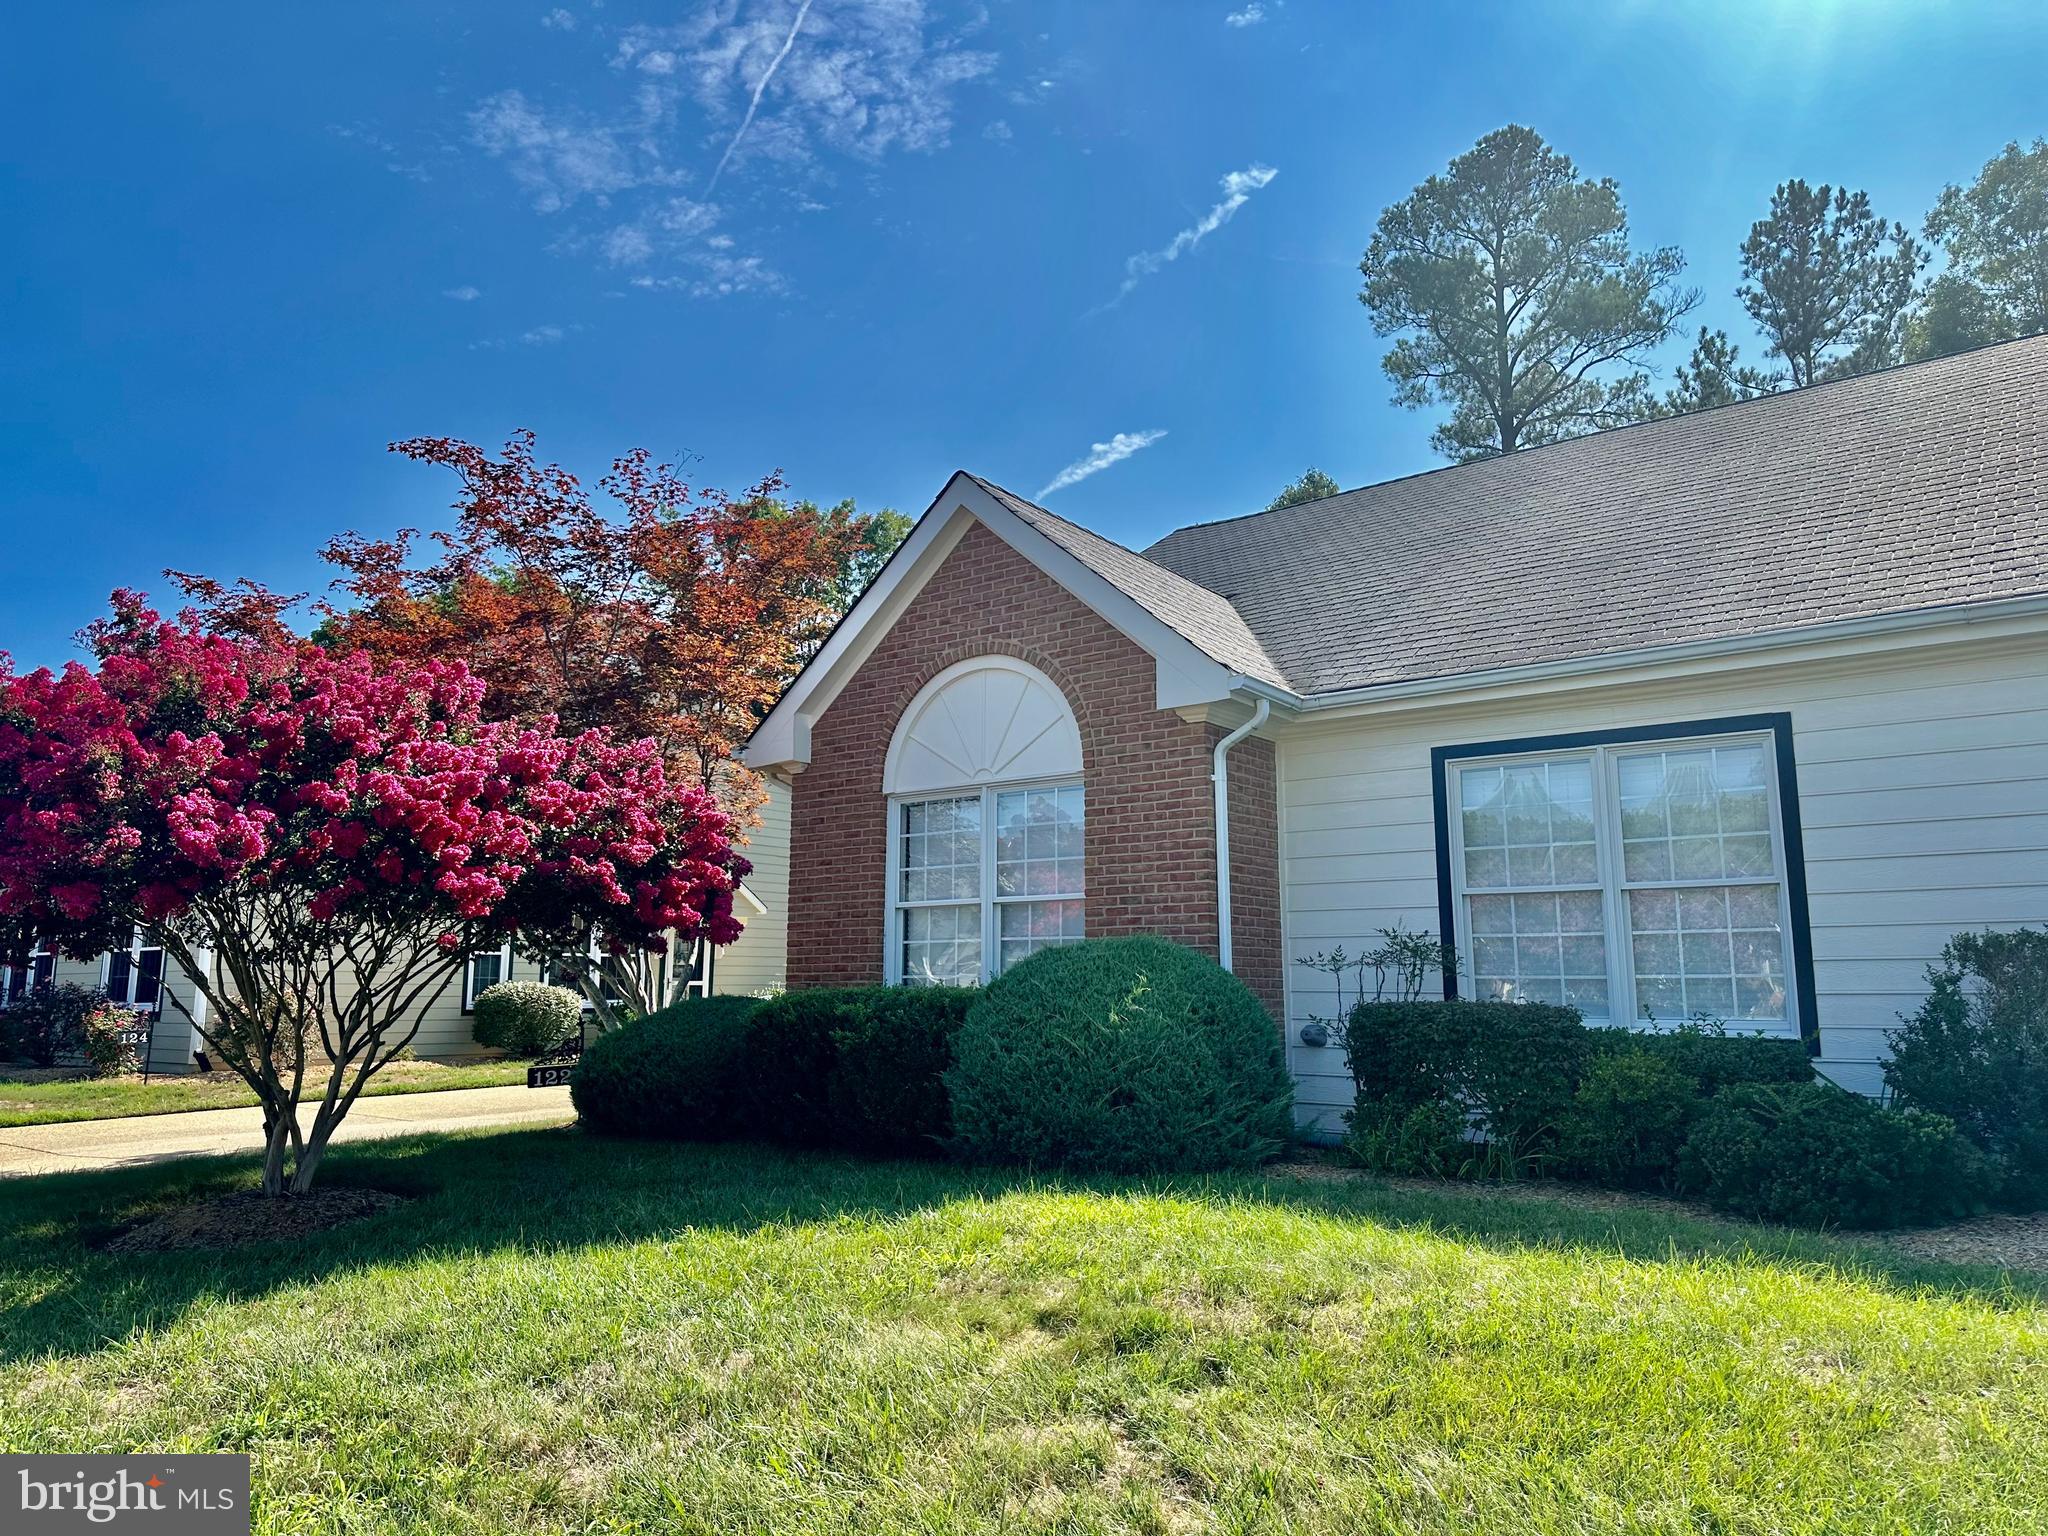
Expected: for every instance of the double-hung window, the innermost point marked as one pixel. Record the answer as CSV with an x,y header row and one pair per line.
x,y
134,976
981,879
1637,880
37,970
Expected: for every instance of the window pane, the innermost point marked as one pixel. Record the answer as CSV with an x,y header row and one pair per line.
x,y
1528,824
1038,842
1699,813
1717,950
149,972
1025,927
942,945
485,971
941,858
1541,948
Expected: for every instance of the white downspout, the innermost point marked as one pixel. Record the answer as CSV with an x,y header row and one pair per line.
x,y
1220,776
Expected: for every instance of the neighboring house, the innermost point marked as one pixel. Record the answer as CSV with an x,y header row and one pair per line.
x,y
753,963
1740,713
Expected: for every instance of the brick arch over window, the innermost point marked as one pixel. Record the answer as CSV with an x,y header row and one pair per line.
x,y
1151,858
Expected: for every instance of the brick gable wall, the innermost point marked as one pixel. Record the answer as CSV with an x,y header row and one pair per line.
x,y
1150,838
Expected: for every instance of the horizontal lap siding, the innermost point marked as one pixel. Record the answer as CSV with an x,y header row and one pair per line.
x,y
757,961
1923,793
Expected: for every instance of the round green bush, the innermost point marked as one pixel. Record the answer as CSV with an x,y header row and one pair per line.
x,y
1120,1055
526,1018
1628,1120
672,1075
856,1067
1818,1155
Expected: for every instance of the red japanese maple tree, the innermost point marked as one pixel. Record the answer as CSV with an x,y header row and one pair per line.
x,y
320,842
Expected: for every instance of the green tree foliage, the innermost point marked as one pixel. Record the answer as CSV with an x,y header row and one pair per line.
x,y
1828,282
1995,235
1518,300
1714,375
1313,485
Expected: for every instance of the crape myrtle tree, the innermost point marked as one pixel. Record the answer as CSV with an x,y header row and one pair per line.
x,y
321,842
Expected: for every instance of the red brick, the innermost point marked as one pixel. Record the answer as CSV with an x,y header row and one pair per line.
x,y
1151,818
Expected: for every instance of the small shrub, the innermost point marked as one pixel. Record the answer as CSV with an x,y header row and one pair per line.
x,y
1712,1060
1629,1119
1977,1052
673,1074
1423,1140
526,1018
1818,1155
856,1067
107,1048
1512,1068
1124,1055
49,1022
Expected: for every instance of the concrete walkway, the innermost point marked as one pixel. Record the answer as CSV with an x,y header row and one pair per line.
x,y
83,1144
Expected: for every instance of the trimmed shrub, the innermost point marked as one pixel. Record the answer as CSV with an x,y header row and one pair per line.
x,y
1127,1055
1821,1156
1629,1119
1712,1061
857,1067
48,1023
526,1018
673,1074
1977,1052
1511,1069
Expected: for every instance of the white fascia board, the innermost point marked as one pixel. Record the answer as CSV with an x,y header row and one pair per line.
x,y
1184,675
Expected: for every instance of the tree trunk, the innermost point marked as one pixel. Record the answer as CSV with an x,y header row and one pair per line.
x,y
277,1137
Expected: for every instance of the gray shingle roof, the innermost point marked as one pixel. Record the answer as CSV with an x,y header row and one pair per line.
x,y
1913,488
1191,611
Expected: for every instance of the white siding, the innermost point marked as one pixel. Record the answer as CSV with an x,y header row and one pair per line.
x,y
1923,790
757,961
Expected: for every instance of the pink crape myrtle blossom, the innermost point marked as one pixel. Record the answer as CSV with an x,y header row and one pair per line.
x,y
262,808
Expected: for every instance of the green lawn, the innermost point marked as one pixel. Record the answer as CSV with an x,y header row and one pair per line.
x,y
566,1334
26,1102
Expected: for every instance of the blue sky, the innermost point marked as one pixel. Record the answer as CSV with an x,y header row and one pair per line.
x,y
247,245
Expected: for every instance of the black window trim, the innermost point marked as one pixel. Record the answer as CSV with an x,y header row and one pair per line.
x,y
1778,725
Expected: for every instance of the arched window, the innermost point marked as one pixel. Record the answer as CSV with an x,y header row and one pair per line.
x,y
986,817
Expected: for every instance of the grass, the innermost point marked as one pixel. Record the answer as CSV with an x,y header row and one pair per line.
x,y
564,1334
41,1101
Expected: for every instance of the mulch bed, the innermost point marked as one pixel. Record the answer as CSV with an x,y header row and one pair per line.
x,y
251,1217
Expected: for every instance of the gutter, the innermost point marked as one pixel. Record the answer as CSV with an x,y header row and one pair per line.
x,y
1220,776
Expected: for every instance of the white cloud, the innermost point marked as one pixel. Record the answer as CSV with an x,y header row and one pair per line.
x,y
998,131
792,80
732,87
1100,456
1250,16
1238,187
539,336
559,20
557,162
467,293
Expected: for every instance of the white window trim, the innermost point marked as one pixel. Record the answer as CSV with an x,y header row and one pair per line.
x,y
991,903
135,951
41,952
1623,1007
469,986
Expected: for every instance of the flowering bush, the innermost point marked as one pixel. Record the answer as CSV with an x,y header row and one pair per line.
x,y
47,1024
107,1042
320,843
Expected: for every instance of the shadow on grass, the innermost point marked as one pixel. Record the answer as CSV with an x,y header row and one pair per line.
x,y
558,1189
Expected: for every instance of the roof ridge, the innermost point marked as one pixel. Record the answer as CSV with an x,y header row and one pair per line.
x,y
1800,391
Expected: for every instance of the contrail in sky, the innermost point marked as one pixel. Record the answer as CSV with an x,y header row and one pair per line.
x,y
754,106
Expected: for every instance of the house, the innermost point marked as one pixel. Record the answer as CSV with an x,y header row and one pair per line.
x,y
1740,713
752,963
